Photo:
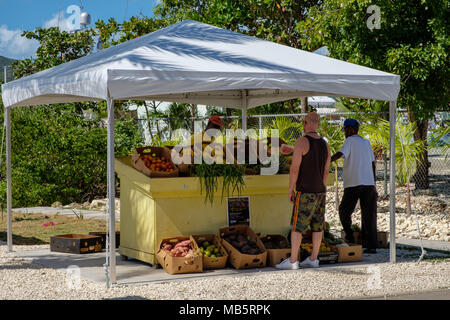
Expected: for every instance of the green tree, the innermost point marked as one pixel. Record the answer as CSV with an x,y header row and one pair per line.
x,y
56,154
274,20
407,151
412,42
56,47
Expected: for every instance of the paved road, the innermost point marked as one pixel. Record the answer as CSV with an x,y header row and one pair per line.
x,y
87,214
443,294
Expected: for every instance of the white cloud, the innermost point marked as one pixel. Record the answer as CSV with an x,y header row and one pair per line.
x,y
13,45
65,24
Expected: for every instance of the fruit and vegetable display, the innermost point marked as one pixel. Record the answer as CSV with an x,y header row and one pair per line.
x,y
324,247
242,243
154,162
210,250
180,249
275,242
157,163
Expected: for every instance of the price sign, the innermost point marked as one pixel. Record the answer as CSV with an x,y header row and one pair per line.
x,y
238,209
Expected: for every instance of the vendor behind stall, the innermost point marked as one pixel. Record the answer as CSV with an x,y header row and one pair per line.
x,y
207,139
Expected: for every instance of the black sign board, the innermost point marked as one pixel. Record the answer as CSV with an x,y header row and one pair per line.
x,y
238,209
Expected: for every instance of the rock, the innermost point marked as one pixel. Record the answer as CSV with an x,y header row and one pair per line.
x,y
86,204
98,204
56,204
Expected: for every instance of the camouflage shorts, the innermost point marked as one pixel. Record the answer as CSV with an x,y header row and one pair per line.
x,y
308,212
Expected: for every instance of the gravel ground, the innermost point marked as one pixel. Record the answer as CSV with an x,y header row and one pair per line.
x,y
21,279
431,206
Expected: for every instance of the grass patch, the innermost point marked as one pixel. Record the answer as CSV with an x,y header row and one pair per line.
x,y
28,230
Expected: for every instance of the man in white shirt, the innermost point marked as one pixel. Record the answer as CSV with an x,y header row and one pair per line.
x,y
359,183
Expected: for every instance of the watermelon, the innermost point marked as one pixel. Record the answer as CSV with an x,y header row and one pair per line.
x,y
286,149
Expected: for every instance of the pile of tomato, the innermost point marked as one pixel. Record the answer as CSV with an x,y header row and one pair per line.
x,y
156,163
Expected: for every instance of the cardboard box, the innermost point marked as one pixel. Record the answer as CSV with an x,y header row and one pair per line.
x,y
215,262
235,257
382,237
176,265
139,164
352,253
356,236
323,256
275,256
76,243
103,235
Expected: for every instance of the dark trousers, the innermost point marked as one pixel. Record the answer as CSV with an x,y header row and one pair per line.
x,y
368,201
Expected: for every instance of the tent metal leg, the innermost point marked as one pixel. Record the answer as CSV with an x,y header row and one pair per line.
x,y
244,110
392,119
111,193
8,179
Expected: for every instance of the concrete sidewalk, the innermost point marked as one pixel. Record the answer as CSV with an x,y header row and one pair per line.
x,y
427,244
134,272
87,214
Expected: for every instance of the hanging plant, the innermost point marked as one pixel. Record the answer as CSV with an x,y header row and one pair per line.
x,y
210,174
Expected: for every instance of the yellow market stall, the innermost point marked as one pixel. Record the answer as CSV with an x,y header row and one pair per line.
x,y
155,208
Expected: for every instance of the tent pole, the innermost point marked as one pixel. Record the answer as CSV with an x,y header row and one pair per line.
x,y
8,175
304,104
8,179
392,118
111,193
244,110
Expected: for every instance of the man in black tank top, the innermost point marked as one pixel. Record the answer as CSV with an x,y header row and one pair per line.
x,y
308,175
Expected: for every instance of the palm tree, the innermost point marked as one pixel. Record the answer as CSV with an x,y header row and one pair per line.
x,y
335,137
439,139
407,151
289,130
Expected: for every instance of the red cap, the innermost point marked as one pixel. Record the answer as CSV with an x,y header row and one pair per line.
x,y
216,120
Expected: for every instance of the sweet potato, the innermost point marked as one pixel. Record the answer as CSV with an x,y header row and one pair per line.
x,y
184,243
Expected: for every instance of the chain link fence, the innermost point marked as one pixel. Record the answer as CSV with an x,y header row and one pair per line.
x,y
158,131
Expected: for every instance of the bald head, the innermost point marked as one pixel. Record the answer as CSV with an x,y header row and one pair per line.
x,y
312,121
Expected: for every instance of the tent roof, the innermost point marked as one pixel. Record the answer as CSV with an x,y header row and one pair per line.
x,y
198,63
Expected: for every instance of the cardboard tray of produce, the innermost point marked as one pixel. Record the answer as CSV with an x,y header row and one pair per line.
x,y
215,261
325,257
139,162
247,237
177,265
277,247
76,243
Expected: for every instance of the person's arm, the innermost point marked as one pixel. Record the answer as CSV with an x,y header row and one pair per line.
x,y
327,166
295,166
336,156
374,170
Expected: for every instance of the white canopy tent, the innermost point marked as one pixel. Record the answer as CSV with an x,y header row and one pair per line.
x,y
197,63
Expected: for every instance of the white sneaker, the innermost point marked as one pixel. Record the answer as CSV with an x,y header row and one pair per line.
x,y
308,263
287,265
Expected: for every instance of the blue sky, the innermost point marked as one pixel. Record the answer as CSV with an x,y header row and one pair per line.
x,y
19,15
